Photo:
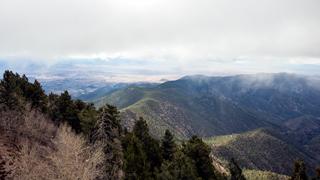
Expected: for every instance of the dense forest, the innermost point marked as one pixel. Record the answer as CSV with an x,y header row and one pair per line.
x,y
50,136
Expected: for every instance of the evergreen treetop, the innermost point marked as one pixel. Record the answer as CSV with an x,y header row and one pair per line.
x,y
168,146
299,171
235,170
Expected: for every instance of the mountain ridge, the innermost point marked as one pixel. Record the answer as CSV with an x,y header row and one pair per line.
x,y
271,98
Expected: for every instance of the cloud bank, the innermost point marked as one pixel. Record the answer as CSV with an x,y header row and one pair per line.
x,y
183,35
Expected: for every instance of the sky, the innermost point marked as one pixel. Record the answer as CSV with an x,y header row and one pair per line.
x,y
161,38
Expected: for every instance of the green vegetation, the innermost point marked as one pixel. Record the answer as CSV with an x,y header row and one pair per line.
x,y
221,140
263,175
299,171
39,126
196,149
38,142
261,149
183,108
106,135
168,146
16,91
235,171
145,158
112,153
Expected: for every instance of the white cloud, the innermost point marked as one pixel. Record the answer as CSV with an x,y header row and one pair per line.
x,y
185,35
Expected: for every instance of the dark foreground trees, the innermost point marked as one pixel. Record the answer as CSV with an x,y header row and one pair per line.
x,y
142,152
16,91
180,167
168,146
317,174
299,171
146,158
199,152
235,171
106,135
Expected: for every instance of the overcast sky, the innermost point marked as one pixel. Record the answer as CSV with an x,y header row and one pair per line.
x,y
174,36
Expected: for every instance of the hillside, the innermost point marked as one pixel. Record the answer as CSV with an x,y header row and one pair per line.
x,y
277,97
263,175
209,106
184,113
108,88
261,149
303,129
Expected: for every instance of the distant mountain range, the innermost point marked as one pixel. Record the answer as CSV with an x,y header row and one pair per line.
x,y
209,106
269,115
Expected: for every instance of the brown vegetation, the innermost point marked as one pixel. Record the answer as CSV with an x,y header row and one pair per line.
x,y
32,147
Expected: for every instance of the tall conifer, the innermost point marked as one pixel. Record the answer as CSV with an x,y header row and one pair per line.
x,y
168,146
107,135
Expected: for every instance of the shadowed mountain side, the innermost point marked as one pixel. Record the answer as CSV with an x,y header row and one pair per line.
x,y
260,149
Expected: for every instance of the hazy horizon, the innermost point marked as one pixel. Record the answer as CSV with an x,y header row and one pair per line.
x,y
122,71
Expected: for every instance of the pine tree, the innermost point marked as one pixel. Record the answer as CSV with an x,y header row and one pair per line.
x,y
299,171
25,86
153,151
151,146
168,146
199,152
15,90
235,171
37,96
53,109
181,167
65,110
141,130
88,118
107,135
136,164
317,174
10,91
